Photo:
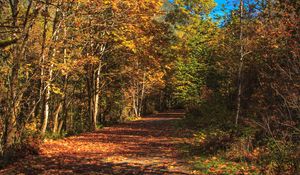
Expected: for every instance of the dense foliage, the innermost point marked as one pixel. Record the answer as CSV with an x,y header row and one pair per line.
x,y
254,56
73,66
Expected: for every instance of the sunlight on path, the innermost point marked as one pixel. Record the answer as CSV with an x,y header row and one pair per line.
x,y
147,146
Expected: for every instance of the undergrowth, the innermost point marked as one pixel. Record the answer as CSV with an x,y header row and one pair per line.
x,y
26,144
222,148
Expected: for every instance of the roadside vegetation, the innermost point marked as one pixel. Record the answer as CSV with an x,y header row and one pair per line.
x,y
70,67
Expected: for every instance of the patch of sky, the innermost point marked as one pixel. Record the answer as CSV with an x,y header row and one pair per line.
x,y
223,7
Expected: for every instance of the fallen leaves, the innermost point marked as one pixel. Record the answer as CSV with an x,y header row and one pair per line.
x,y
130,148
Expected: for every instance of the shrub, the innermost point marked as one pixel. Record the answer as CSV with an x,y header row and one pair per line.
x,y
212,141
218,166
28,144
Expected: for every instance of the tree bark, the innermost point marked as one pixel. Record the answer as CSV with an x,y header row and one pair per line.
x,y
11,121
97,88
55,120
240,72
142,95
5,43
44,87
96,101
69,125
60,126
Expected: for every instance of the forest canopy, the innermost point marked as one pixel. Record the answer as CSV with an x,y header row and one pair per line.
x,y
72,66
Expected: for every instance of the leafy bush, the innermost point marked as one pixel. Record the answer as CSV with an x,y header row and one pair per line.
x,y
28,144
100,126
132,118
211,141
280,157
236,147
213,112
217,166
55,136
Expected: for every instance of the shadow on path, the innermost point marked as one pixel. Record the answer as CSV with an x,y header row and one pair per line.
x,y
148,146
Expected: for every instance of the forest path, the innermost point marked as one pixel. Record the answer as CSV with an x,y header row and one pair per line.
x,y
148,146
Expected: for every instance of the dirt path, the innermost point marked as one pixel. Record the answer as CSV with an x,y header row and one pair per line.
x,y
148,146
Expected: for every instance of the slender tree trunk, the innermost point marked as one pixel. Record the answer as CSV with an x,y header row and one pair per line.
x,y
55,32
19,51
240,73
97,88
90,91
69,125
46,111
55,120
46,103
142,94
60,126
51,54
10,129
91,78
44,87
96,102
161,100
134,103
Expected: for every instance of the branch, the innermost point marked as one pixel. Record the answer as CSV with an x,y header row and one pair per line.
x,y
6,43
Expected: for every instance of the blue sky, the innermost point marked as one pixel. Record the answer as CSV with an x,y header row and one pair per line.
x,y
218,9
228,6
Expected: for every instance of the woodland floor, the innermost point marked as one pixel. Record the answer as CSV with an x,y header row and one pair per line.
x,y
147,146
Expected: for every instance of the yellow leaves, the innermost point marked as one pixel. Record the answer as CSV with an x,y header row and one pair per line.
x,y
107,2
130,44
92,59
180,34
82,1
32,126
200,137
55,90
176,47
4,70
147,5
214,158
168,67
156,79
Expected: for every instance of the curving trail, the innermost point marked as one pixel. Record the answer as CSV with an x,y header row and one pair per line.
x,y
145,147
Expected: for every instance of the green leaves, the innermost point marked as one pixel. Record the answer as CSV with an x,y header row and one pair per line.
x,y
196,7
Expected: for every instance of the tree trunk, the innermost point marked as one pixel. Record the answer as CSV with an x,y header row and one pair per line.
x,y
240,76
68,125
97,88
60,126
135,103
10,129
51,54
96,101
44,87
142,95
55,120
90,91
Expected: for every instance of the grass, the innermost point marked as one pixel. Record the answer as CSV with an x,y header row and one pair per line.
x,y
220,166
